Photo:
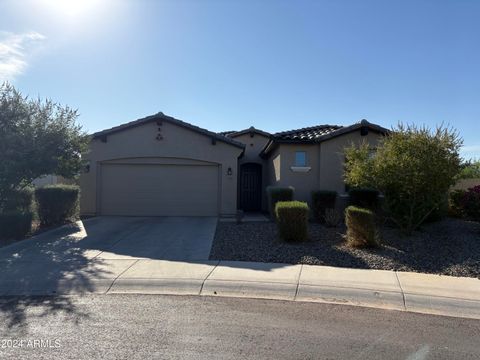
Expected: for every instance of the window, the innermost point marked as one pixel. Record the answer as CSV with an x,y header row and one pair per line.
x,y
300,158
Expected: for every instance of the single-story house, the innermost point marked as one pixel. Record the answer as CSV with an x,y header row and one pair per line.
x,y
162,166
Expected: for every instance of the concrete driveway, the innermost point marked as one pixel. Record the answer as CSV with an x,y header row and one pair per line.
x,y
95,251
168,238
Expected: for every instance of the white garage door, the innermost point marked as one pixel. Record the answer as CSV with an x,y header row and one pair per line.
x,y
159,190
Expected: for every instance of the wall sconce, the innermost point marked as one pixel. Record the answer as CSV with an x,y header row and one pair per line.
x,y
229,171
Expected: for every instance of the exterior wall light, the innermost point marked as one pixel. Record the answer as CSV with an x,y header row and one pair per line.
x,y
229,171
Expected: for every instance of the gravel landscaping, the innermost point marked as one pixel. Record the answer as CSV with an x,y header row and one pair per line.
x,y
450,247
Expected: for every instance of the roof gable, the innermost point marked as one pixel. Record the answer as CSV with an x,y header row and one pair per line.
x,y
250,130
162,117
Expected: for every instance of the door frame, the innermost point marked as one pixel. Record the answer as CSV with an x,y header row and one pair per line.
x,y
259,170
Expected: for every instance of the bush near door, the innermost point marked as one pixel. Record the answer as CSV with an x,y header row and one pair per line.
x,y
321,201
276,194
57,204
292,220
361,227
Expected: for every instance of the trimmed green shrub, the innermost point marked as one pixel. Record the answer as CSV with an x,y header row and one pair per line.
x,y
15,225
364,198
321,201
18,201
276,194
292,220
57,204
361,227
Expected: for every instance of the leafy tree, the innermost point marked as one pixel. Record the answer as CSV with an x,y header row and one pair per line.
x,y
470,170
37,137
413,167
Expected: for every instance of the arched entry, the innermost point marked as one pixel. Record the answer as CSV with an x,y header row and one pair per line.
x,y
250,194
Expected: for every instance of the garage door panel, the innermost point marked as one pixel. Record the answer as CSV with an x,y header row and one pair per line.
x,y
159,190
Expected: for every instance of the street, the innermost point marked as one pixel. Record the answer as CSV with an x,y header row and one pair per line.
x,y
184,327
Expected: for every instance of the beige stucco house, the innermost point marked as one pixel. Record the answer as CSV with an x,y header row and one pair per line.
x,y
162,166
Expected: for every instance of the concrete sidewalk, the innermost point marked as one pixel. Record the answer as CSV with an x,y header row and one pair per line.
x,y
424,293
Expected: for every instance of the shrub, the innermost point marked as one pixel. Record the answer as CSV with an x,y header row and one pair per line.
x,y
18,201
332,218
361,228
471,203
456,203
292,220
413,168
470,170
276,194
57,204
15,225
439,212
364,198
321,201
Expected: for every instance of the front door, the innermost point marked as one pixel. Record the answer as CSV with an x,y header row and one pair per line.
x,y
251,187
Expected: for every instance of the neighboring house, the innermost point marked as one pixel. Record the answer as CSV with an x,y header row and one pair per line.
x,y
51,180
161,166
465,184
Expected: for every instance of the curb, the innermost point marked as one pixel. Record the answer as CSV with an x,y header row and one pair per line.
x,y
382,289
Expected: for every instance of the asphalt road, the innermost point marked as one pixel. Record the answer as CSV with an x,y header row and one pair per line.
x,y
175,327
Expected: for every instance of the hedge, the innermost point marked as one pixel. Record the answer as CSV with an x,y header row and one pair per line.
x,y
57,204
364,198
276,194
15,225
20,200
361,228
321,201
292,220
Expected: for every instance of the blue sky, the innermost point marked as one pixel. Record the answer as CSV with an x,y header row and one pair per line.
x,y
227,65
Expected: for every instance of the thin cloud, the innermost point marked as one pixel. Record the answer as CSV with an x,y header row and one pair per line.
x,y
15,51
471,148
470,151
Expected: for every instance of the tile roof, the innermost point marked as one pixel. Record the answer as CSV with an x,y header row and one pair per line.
x,y
227,133
306,134
319,133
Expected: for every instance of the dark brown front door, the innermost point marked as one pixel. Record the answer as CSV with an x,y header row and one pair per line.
x,y
251,187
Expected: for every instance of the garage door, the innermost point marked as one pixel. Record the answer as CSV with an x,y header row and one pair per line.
x,y
159,190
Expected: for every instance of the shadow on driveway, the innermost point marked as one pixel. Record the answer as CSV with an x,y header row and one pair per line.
x,y
88,256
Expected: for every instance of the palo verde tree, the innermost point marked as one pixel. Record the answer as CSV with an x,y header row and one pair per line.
x,y
37,137
413,167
